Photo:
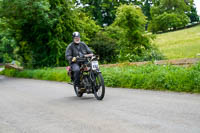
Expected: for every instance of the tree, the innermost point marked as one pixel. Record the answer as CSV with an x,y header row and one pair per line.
x,y
146,9
193,14
42,29
128,29
8,46
168,14
103,11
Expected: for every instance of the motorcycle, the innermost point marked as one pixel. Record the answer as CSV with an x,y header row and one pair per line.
x,y
91,79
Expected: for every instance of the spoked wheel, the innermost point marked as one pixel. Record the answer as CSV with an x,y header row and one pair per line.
x,y
99,88
76,89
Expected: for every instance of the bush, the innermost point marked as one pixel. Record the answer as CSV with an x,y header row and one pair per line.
x,y
105,47
150,54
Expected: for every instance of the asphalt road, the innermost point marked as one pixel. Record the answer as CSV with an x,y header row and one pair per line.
x,y
34,106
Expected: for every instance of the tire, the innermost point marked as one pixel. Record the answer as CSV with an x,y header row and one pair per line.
x,y
99,87
78,94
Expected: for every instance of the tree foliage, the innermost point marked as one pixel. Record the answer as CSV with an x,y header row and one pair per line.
x,y
42,29
168,14
37,32
167,21
146,8
193,14
103,11
131,21
128,28
8,46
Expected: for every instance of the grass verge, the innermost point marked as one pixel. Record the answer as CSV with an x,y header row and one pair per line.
x,y
42,74
153,77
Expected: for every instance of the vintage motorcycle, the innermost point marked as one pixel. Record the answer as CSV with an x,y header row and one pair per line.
x,y
91,79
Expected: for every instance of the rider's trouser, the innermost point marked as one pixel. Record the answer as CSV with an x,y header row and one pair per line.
x,y
76,70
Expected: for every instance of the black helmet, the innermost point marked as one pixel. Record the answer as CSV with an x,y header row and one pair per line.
x,y
76,34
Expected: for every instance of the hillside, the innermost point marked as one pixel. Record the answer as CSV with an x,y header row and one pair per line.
x,y
180,44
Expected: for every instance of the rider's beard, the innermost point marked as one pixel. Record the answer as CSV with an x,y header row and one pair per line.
x,y
77,41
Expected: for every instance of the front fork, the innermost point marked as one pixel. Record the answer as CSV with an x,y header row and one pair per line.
x,y
93,75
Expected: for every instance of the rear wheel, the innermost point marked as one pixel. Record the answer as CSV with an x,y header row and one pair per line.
x,y
99,87
76,89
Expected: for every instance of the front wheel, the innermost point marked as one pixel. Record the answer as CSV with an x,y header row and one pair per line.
x,y
99,87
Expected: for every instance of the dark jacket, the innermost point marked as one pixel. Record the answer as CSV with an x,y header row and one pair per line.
x,y
74,50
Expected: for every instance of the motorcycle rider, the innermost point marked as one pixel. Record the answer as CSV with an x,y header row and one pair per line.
x,y
76,49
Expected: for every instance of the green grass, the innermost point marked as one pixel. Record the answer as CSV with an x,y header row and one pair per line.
x,y
153,77
180,44
42,74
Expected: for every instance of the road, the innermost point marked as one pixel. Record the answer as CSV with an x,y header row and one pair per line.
x,y
35,106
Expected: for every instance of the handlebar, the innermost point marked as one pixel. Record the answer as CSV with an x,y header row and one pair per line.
x,y
86,57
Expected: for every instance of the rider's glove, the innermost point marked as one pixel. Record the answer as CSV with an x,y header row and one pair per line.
x,y
74,59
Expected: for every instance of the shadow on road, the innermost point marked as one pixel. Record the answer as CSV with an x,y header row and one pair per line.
x,y
75,99
72,98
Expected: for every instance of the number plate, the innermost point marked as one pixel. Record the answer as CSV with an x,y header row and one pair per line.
x,y
95,65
